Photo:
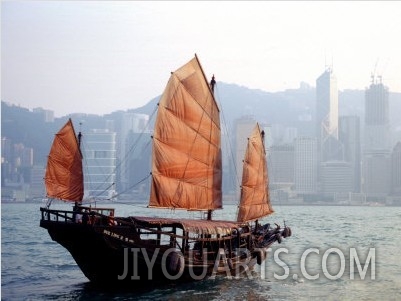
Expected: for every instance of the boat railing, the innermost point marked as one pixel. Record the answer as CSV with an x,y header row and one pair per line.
x,y
95,216
57,215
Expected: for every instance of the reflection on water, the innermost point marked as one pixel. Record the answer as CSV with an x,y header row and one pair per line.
x,y
217,289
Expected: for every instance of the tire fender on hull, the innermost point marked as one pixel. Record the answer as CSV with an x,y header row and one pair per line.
x,y
260,256
176,263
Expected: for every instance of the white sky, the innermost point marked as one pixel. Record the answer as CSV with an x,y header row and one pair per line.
x,y
102,56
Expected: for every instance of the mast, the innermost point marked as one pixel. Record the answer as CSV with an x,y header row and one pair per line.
x,y
79,136
212,84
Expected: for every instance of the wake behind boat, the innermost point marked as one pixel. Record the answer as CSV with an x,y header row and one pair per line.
x,y
186,174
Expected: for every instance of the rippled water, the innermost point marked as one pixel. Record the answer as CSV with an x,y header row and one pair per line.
x,y
36,268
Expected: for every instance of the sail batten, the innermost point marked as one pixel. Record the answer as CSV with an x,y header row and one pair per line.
x,y
186,165
255,199
64,175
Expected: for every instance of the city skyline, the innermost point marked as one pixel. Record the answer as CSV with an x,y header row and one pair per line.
x,y
337,179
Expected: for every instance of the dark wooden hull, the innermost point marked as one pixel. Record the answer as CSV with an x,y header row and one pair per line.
x,y
117,253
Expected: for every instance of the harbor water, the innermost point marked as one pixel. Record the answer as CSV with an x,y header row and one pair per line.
x,y
334,253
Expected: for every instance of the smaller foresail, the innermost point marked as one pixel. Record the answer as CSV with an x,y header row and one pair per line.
x,y
255,199
64,176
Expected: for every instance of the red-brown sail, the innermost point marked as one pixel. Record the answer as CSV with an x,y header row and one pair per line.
x,y
255,199
64,176
186,165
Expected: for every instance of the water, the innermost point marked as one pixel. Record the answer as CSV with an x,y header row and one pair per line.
x,y
36,268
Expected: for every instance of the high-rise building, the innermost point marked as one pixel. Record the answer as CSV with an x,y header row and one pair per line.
x,y
336,177
281,165
305,171
99,148
377,159
137,164
37,188
327,115
350,138
396,170
377,117
376,171
132,126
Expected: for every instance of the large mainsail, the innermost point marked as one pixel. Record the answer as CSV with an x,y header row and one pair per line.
x,y
186,157
64,176
255,200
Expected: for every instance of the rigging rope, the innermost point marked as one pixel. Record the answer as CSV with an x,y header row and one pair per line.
x,y
228,141
237,181
135,184
118,166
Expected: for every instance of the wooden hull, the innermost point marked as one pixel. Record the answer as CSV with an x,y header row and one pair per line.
x,y
105,257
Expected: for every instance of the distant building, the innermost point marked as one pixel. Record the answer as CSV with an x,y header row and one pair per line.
x,y
290,134
336,177
305,171
37,187
47,115
350,138
6,160
376,169
377,117
282,134
281,165
396,170
137,163
376,174
327,115
133,124
99,164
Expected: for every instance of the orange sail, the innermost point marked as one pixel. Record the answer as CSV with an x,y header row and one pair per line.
x,y
255,199
187,167
64,176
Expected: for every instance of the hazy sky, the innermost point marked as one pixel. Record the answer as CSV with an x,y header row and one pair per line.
x,y
98,57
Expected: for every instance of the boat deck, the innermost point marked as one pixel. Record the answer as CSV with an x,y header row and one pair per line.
x,y
193,225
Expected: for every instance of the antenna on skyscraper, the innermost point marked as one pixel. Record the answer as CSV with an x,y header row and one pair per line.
x,y
374,71
327,67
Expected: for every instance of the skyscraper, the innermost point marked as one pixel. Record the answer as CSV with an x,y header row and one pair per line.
x,y
377,158
281,165
327,116
377,117
305,170
396,170
336,177
350,138
131,141
99,164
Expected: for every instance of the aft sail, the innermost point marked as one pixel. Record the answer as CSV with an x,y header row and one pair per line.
x,y
255,199
64,176
186,156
